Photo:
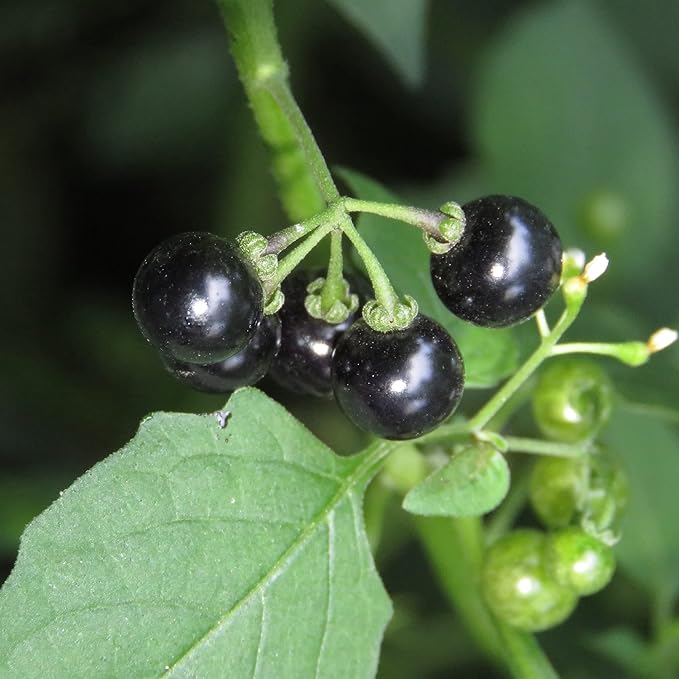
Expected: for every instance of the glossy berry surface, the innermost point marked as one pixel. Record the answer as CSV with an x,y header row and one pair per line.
x,y
517,586
196,299
303,363
398,385
572,400
579,561
505,267
244,368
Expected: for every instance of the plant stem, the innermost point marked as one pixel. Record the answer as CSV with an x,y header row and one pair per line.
x,y
384,290
543,351
525,659
427,220
280,90
455,550
541,447
304,182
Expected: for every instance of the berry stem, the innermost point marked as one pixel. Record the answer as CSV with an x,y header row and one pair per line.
x,y
544,350
291,260
333,288
279,241
384,290
304,181
426,220
541,322
630,353
540,447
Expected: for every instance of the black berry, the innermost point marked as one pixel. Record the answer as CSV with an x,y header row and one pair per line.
x,y
196,299
244,368
401,384
303,363
506,266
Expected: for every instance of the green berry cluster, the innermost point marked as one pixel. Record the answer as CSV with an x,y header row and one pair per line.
x,y
533,579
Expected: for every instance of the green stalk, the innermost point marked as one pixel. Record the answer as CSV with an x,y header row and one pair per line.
x,y
519,444
455,549
427,220
384,290
543,352
295,257
279,241
304,182
333,288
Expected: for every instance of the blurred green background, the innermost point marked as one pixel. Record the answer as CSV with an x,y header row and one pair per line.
x,y
123,122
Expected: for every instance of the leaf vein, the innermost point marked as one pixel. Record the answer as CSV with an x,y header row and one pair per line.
x,y
251,460
328,600
366,465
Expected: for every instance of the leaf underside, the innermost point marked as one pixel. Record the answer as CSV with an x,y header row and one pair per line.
x,y
201,551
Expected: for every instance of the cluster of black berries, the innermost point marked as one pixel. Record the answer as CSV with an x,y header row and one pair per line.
x,y
200,303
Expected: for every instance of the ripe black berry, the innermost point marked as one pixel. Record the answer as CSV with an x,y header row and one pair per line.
x,y
196,299
506,266
244,368
303,363
401,384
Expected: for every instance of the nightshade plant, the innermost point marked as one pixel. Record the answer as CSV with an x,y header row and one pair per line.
x,y
233,544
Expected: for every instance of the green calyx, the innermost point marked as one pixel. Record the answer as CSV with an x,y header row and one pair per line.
x,y
274,302
450,229
383,319
590,492
339,309
253,246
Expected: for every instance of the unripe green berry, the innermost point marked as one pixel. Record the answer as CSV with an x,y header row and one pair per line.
x,y
518,588
572,400
607,495
579,561
556,488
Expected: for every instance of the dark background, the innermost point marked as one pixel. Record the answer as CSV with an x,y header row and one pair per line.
x,y
123,122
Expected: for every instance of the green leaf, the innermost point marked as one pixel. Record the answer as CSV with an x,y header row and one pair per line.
x,y
489,354
565,117
396,27
649,548
204,551
473,483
